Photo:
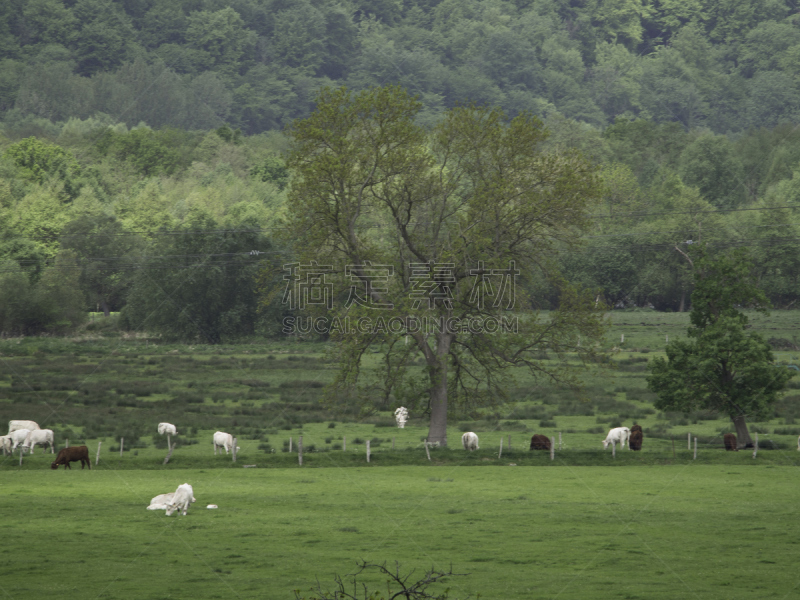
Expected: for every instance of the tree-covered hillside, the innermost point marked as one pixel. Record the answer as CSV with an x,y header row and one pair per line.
x,y
256,64
141,140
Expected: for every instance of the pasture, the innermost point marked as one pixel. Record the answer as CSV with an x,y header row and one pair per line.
x,y
664,525
681,531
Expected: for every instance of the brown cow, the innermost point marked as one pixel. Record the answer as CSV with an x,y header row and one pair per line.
x,y
636,428
730,442
540,442
635,441
73,454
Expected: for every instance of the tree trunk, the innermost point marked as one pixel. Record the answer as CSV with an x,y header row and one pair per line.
x,y
106,309
742,434
438,426
683,301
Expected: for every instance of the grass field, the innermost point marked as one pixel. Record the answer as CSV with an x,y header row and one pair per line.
x,y
665,525
682,531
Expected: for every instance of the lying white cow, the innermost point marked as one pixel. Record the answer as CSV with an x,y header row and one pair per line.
x,y
618,435
18,437
470,441
181,499
39,436
223,440
162,501
167,429
17,425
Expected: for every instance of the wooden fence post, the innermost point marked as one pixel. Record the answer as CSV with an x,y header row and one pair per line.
x,y
233,450
20,455
501,447
121,445
290,443
688,441
344,443
553,448
428,452
169,454
97,457
695,449
169,444
755,447
367,450
300,450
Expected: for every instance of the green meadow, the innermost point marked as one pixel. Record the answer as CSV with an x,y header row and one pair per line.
x,y
665,524
680,531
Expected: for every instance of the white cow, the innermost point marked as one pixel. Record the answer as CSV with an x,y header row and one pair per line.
x,y
618,435
162,501
5,443
39,436
18,437
17,425
167,429
223,440
470,441
181,499
401,416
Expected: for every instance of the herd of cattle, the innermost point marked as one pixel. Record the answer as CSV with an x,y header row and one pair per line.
x,y
26,434
619,435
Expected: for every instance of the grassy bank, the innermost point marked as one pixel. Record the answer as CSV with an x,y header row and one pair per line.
x,y
707,531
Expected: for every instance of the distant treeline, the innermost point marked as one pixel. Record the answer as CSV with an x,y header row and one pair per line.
x,y
255,65
180,230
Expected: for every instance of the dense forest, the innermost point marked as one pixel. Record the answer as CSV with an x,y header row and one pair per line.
x,y
142,144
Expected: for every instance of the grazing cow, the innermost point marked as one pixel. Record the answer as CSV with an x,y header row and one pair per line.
x,y
729,440
181,499
39,436
72,454
5,442
635,441
470,441
18,437
617,435
401,416
223,440
16,425
540,442
167,429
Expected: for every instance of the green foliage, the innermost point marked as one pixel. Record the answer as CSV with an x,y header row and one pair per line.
x,y
108,257
52,305
199,284
41,162
142,148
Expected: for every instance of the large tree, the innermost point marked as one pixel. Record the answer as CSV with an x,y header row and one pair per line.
x,y
402,225
722,365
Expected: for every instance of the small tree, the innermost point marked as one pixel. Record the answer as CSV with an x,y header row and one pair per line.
x,y
722,366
